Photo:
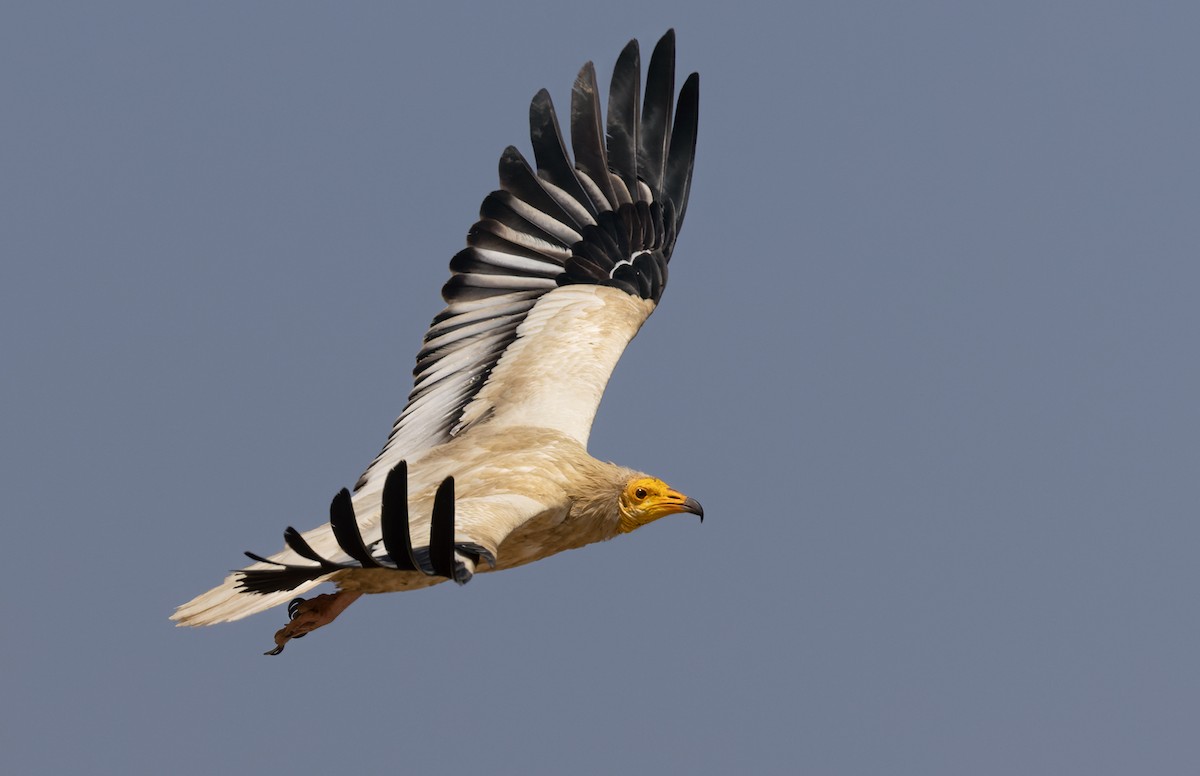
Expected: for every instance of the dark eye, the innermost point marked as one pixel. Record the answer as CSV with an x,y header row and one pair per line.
x,y
640,493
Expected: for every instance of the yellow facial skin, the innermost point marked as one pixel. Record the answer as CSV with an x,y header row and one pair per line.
x,y
645,499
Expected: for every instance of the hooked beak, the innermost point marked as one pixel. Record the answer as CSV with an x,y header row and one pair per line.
x,y
674,502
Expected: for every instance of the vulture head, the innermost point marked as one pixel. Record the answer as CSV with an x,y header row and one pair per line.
x,y
645,499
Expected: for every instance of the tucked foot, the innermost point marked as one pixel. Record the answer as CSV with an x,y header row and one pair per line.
x,y
476,552
467,556
309,614
464,568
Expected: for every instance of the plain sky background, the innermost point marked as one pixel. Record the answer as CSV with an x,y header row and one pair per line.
x,y
927,356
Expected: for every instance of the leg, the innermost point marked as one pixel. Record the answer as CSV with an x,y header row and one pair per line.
x,y
310,614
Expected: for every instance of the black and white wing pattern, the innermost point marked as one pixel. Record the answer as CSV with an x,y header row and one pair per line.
x,y
567,260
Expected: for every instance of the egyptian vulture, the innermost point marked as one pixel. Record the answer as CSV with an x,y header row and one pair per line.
x,y
487,466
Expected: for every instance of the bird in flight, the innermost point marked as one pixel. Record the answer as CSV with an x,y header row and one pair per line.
x,y
487,466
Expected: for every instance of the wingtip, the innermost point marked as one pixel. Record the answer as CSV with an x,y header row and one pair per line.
x,y
586,76
666,44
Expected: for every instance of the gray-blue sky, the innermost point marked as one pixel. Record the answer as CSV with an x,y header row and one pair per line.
x,y
927,357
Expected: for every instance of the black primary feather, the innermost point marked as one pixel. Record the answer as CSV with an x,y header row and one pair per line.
x,y
682,155
553,164
264,581
299,546
393,520
587,134
345,529
441,530
656,114
624,94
